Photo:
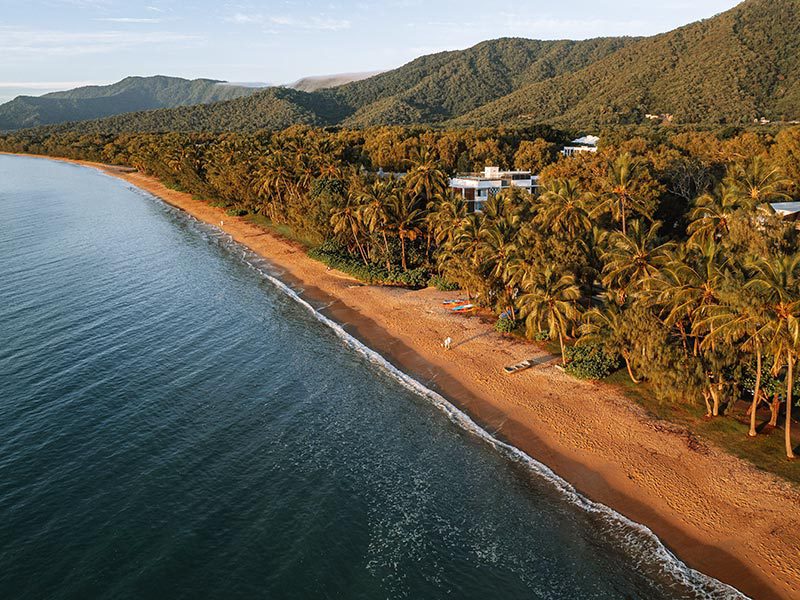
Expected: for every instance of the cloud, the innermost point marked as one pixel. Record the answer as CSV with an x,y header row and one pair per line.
x,y
127,20
315,23
22,43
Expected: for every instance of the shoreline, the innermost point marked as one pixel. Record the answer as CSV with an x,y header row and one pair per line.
x,y
718,514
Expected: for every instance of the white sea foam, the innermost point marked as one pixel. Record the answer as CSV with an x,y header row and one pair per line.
x,y
639,537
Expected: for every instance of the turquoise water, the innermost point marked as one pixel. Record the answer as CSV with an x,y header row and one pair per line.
x,y
176,424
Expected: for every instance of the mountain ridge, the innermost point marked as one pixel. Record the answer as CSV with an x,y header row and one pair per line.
x,y
733,68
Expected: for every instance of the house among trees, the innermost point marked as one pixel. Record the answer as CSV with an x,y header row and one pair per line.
x,y
788,211
477,188
587,143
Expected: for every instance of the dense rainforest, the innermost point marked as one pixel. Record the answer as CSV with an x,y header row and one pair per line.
x,y
732,69
659,256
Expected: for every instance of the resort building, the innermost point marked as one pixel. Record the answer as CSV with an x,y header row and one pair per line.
x,y
587,143
789,211
477,188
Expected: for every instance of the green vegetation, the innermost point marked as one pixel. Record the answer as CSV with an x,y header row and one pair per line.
x,y
130,94
732,69
659,254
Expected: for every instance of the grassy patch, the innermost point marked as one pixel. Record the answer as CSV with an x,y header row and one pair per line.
x,y
729,432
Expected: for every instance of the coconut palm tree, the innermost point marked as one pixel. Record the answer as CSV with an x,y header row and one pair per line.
x,y
274,180
345,219
561,209
426,179
498,251
747,326
405,217
548,303
444,216
623,195
691,283
710,219
635,259
374,198
756,182
777,280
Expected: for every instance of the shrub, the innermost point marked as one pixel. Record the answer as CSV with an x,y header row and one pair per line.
x,y
590,362
442,284
337,257
236,212
505,325
542,336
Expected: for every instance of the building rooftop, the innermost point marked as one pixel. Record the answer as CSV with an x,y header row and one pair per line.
x,y
587,140
786,208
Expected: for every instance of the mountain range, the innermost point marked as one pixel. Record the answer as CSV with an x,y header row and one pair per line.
x,y
130,94
741,65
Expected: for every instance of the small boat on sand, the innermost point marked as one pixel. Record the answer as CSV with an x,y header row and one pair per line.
x,y
463,308
520,366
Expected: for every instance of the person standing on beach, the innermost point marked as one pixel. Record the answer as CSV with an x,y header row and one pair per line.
x,y
447,342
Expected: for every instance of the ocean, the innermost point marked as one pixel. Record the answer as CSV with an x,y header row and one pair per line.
x,y
177,422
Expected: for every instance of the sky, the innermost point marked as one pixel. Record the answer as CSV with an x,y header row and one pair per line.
x,y
49,45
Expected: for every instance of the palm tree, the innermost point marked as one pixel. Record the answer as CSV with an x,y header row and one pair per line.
x,y
426,178
444,216
561,208
498,252
749,328
623,196
777,279
756,182
549,304
405,217
374,199
711,217
464,253
635,259
344,219
691,283
273,182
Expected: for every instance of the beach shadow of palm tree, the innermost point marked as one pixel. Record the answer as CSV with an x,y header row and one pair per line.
x,y
469,339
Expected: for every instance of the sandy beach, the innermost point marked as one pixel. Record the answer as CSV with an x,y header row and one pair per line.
x,y
719,514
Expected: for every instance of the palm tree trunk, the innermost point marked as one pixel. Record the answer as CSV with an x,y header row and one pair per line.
x,y
563,351
403,252
756,392
361,249
386,246
622,211
789,383
628,366
774,408
715,393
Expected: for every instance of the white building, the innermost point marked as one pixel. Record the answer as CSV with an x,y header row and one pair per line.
x,y
587,143
477,188
787,210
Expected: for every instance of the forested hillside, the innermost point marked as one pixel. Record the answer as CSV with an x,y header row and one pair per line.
x,y
429,89
739,66
130,94
734,68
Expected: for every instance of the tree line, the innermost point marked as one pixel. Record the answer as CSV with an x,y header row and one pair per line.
x,y
661,256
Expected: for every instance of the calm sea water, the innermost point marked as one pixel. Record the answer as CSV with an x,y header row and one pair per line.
x,y
175,424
